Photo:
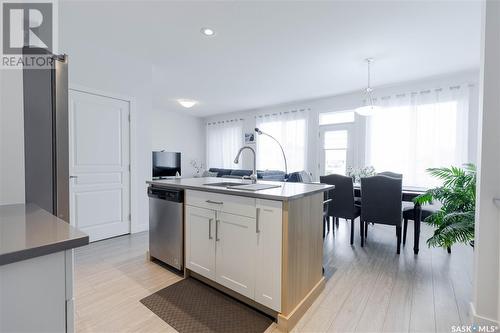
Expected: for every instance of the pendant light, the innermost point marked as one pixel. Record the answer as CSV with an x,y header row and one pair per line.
x,y
370,108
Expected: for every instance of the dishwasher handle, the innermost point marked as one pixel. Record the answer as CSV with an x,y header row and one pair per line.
x,y
166,194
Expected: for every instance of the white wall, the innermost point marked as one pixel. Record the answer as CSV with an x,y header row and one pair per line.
x,y
351,101
172,131
485,305
11,137
95,63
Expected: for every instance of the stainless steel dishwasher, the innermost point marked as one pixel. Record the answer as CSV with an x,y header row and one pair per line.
x,y
166,224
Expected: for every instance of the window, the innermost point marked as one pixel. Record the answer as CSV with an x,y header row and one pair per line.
x,y
335,147
290,129
410,137
339,117
224,139
335,151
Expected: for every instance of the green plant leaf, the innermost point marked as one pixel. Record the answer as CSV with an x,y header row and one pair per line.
x,y
454,222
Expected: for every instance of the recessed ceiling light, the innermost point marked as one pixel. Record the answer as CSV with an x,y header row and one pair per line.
x,y
187,103
208,32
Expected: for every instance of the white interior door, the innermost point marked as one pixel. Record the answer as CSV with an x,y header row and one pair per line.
x,y
336,149
99,135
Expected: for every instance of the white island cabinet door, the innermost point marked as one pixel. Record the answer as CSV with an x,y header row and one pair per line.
x,y
235,253
268,254
200,241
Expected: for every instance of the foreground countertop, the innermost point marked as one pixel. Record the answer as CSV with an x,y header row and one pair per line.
x,y
27,231
285,191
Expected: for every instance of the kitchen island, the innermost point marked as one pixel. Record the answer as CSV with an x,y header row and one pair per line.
x,y
264,247
36,270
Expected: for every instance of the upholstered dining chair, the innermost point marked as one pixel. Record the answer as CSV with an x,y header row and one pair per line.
x,y
427,210
326,205
382,204
393,175
342,205
390,174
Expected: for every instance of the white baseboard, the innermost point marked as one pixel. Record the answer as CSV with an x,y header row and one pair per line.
x,y
480,320
139,228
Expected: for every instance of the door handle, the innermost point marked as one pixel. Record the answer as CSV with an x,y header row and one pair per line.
x,y
73,177
210,228
217,230
257,230
214,202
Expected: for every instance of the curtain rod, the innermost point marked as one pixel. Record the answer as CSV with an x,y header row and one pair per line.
x,y
281,113
225,121
426,91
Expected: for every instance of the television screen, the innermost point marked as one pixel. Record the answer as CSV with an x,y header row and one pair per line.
x,y
166,164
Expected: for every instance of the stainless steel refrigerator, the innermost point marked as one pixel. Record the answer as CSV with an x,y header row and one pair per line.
x,y
46,148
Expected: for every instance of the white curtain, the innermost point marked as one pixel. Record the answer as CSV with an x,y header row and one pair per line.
x,y
224,139
419,130
290,129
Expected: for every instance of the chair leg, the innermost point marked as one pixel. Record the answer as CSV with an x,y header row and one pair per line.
x,y
366,230
352,231
337,222
328,224
398,231
362,232
405,228
324,227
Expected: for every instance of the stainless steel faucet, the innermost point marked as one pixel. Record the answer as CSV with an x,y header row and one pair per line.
x,y
253,176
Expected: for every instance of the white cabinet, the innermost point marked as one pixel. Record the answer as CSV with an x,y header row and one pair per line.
x,y
200,241
236,242
235,253
36,294
268,254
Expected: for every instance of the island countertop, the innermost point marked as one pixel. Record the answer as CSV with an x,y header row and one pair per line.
x,y
285,191
27,231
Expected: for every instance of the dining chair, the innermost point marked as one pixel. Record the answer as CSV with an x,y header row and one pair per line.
x,y
382,203
326,205
393,175
390,174
427,210
342,205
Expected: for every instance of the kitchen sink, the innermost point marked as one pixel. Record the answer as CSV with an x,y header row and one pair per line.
x,y
255,187
224,184
243,186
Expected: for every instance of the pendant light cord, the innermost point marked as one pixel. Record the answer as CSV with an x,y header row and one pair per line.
x,y
369,88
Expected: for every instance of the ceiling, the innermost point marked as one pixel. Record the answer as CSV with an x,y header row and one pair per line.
x,y
273,52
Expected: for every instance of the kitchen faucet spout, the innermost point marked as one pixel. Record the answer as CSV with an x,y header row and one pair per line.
x,y
253,176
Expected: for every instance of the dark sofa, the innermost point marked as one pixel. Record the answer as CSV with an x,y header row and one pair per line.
x,y
275,175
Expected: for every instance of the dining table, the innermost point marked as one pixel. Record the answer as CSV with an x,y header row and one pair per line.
x,y
409,193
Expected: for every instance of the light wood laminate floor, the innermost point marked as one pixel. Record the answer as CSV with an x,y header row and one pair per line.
x,y
371,290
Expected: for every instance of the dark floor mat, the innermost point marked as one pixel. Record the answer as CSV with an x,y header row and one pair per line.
x,y
192,306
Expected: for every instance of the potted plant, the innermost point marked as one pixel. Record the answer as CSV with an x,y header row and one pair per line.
x,y
454,221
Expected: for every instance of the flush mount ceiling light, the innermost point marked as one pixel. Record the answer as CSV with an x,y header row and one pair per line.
x,y
187,103
370,108
208,32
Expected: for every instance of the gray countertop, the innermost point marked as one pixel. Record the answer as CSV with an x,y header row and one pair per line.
x,y
285,191
27,231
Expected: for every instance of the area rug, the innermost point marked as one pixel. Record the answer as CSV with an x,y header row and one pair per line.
x,y
192,306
